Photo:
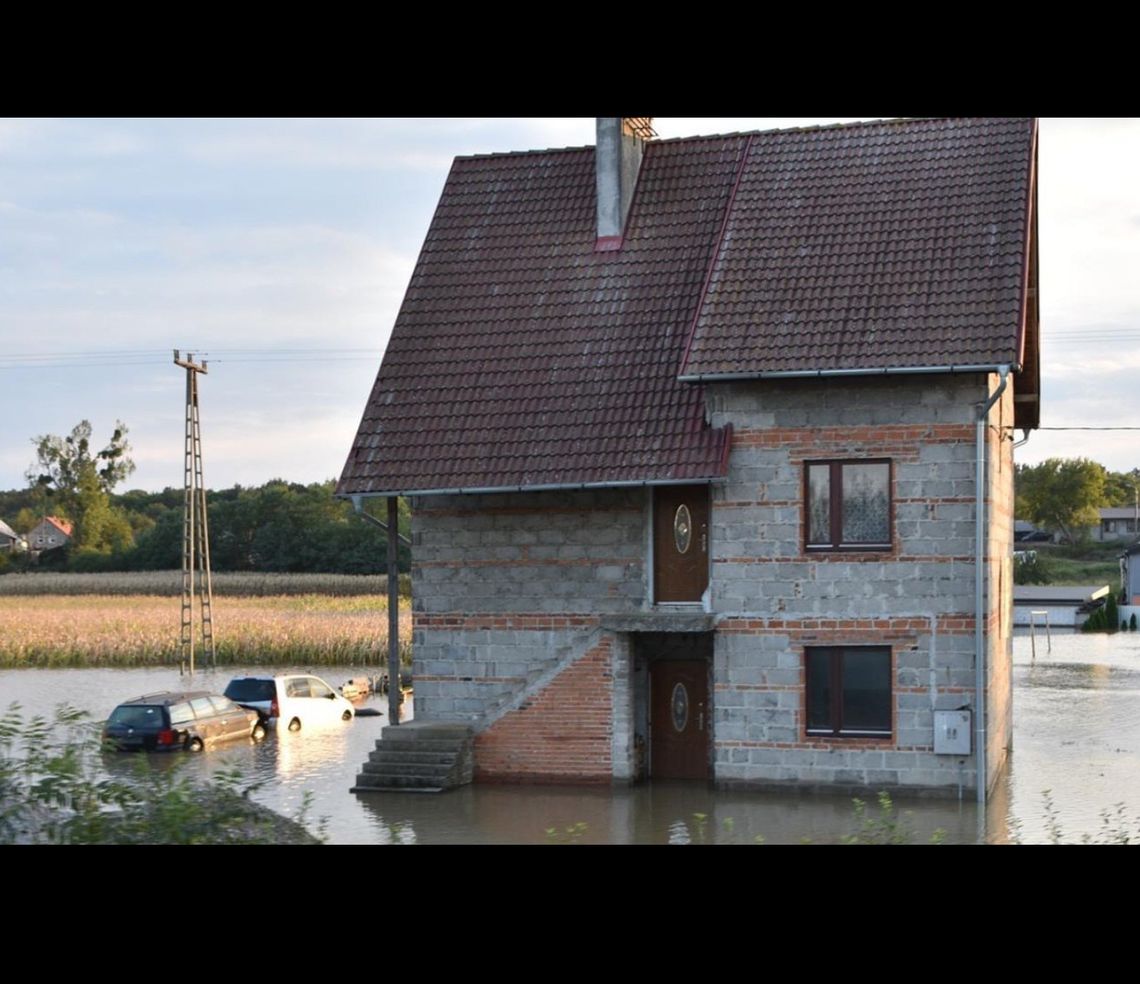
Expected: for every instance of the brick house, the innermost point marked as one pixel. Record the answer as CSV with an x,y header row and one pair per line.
x,y
694,431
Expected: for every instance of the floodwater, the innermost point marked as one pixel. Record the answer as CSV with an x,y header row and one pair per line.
x,y
1076,733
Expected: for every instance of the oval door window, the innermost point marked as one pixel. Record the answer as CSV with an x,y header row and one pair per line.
x,y
680,704
682,529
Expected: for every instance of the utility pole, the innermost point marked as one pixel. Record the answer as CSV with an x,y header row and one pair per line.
x,y
195,532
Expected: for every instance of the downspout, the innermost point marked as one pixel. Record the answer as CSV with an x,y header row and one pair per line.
x,y
979,591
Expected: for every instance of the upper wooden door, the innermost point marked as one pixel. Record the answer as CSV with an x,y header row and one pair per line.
x,y
680,542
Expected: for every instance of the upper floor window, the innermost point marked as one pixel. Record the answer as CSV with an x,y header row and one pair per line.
x,y
848,505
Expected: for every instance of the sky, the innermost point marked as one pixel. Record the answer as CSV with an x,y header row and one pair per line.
x,y
278,250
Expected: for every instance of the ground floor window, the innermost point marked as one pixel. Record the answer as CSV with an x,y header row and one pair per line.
x,y
849,691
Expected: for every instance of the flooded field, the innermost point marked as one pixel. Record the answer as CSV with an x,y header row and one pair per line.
x,y
1077,734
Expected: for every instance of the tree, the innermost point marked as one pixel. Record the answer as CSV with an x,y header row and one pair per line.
x,y
1062,495
76,483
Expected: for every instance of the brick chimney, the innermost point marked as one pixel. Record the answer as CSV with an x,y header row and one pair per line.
x,y
621,142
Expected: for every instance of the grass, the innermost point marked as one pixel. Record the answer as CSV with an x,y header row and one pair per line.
x,y
1090,563
225,584
144,630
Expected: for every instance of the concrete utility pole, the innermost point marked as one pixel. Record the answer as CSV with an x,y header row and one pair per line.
x,y
195,532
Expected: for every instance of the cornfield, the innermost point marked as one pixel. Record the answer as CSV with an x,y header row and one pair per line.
x,y
143,630
225,584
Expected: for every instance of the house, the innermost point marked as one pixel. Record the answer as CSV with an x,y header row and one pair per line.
x,y
695,432
10,540
49,533
1116,523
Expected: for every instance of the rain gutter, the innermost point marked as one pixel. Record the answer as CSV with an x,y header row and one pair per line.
x,y
562,487
736,377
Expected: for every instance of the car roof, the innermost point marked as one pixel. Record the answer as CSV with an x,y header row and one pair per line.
x,y
167,697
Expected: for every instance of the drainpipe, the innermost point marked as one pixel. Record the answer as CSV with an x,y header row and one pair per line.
x,y
979,591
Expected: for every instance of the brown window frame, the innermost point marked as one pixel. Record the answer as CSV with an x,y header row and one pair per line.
x,y
835,656
835,506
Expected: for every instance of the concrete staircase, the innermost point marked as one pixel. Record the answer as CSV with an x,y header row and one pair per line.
x,y
418,757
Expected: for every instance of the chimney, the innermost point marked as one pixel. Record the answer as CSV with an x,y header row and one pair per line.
x,y
621,141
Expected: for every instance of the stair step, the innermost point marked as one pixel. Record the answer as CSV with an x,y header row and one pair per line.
x,y
365,781
428,758
405,769
421,744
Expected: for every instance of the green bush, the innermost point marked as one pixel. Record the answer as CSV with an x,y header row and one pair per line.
x,y
53,791
1111,614
1036,570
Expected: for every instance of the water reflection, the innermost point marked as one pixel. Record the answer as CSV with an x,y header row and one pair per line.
x,y
1076,733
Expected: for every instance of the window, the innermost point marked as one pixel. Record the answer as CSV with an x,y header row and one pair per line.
x,y
848,505
849,691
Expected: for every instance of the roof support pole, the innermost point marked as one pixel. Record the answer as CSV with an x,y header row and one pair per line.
x,y
980,608
394,693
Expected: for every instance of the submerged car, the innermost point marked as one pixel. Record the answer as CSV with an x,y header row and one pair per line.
x,y
168,721
298,699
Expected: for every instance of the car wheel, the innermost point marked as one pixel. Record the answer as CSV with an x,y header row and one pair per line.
x,y
346,716
258,731
194,744
295,724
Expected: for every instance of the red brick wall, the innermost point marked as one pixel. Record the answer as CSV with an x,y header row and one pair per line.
x,y
563,733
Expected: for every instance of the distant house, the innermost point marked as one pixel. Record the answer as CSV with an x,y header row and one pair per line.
x,y
10,540
709,450
50,533
1116,523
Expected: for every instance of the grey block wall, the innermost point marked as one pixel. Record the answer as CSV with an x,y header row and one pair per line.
x,y
493,579
773,599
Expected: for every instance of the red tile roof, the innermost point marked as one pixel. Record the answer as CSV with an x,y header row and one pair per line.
x,y
63,525
524,358
871,246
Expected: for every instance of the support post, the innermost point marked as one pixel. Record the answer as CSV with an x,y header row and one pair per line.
x,y
394,693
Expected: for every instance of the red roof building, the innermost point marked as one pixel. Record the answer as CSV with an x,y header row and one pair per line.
x,y
703,416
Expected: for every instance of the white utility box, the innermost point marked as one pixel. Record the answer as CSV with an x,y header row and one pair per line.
x,y
952,732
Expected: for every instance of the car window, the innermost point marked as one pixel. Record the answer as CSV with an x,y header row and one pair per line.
x,y
180,713
202,707
249,689
317,688
297,687
223,705
137,716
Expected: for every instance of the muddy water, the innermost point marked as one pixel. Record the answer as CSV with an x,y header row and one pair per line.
x,y
1077,733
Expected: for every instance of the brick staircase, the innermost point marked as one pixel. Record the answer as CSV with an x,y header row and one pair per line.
x,y
418,757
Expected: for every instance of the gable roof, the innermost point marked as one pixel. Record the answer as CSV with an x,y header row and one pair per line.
x,y
524,359
873,246
60,524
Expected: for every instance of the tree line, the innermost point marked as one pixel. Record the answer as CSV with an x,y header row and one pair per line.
x,y
279,526
1063,495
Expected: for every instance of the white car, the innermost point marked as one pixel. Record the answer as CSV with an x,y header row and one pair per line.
x,y
298,699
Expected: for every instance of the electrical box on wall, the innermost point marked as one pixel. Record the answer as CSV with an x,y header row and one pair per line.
x,y
952,732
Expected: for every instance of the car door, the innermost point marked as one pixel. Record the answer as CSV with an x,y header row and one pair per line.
x,y
324,706
232,721
206,723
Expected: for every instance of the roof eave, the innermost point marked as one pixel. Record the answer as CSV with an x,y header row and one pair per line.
x,y
733,377
552,487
